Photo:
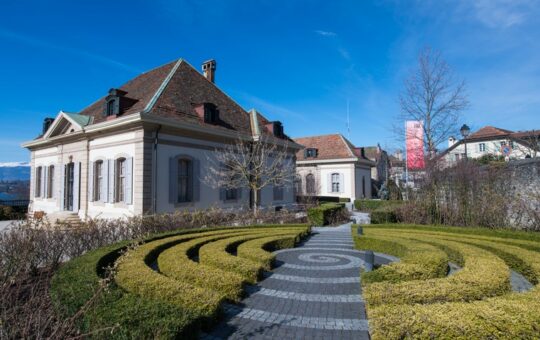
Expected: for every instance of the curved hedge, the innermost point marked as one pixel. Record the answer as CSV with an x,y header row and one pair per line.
x,y
417,260
507,316
483,275
149,302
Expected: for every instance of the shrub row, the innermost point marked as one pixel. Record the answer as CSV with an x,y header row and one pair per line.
x,y
259,250
371,205
115,312
218,254
418,260
511,316
325,214
483,275
131,309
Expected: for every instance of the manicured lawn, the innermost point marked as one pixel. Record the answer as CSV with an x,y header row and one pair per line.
x,y
415,298
170,285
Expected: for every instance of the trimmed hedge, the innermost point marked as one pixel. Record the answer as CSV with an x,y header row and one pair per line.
x,y
384,215
116,312
417,260
482,276
143,303
508,316
371,205
324,213
218,254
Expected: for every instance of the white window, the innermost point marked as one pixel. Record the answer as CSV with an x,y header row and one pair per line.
x,y
98,181
39,181
120,179
482,147
456,157
335,182
50,181
184,180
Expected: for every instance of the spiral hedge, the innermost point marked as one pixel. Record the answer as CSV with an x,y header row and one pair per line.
x,y
170,285
476,302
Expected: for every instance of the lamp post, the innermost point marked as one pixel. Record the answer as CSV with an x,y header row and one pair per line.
x,y
465,131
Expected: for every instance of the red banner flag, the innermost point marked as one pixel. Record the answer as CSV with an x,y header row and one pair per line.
x,y
414,141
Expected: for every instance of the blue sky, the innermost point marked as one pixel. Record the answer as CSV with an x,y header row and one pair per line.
x,y
295,61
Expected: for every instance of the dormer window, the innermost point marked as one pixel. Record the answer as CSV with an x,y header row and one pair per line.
x,y
110,108
278,129
275,128
310,153
211,113
116,103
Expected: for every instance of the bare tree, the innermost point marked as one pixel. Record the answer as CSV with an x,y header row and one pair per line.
x,y
432,95
528,143
251,164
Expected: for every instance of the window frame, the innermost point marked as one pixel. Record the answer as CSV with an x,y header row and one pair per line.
x,y
310,184
482,147
120,180
188,177
336,183
98,180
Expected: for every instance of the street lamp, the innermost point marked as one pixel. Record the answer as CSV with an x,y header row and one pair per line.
x,y
465,131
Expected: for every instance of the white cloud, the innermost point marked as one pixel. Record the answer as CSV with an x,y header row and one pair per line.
x,y
502,13
326,33
13,164
74,51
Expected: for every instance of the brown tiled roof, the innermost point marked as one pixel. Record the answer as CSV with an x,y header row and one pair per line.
x,y
329,147
371,152
489,131
142,88
184,89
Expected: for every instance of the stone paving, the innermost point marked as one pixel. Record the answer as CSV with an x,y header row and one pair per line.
x,y
313,293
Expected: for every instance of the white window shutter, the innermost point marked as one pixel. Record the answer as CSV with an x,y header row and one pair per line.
x,y
329,183
45,181
128,194
104,192
76,185
112,175
42,184
90,181
62,187
58,181
341,183
173,180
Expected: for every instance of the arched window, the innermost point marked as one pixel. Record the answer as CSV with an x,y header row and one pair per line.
x,y
335,182
120,179
310,184
98,181
50,181
298,185
185,180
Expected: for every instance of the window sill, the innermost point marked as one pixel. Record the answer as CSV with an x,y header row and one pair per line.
x,y
98,203
121,205
183,204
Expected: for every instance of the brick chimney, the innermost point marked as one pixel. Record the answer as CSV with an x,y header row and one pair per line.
x,y
209,69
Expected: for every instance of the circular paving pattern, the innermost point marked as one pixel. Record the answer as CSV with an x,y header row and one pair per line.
x,y
314,292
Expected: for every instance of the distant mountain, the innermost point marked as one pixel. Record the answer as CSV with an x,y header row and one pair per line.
x,y
14,171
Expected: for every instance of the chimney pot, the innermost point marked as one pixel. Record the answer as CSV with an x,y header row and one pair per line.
x,y
47,124
209,69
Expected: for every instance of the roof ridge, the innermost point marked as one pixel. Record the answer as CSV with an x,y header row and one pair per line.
x,y
349,145
162,87
325,135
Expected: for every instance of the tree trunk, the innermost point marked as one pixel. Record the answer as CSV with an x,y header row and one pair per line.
x,y
255,199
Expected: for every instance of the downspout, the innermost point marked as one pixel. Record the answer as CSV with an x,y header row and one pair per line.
x,y
155,160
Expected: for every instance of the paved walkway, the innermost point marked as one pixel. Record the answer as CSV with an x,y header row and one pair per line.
x,y
313,293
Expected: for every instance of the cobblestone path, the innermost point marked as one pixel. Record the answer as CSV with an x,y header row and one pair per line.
x,y
313,293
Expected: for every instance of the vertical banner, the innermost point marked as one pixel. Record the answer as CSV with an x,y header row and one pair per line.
x,y
414,139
